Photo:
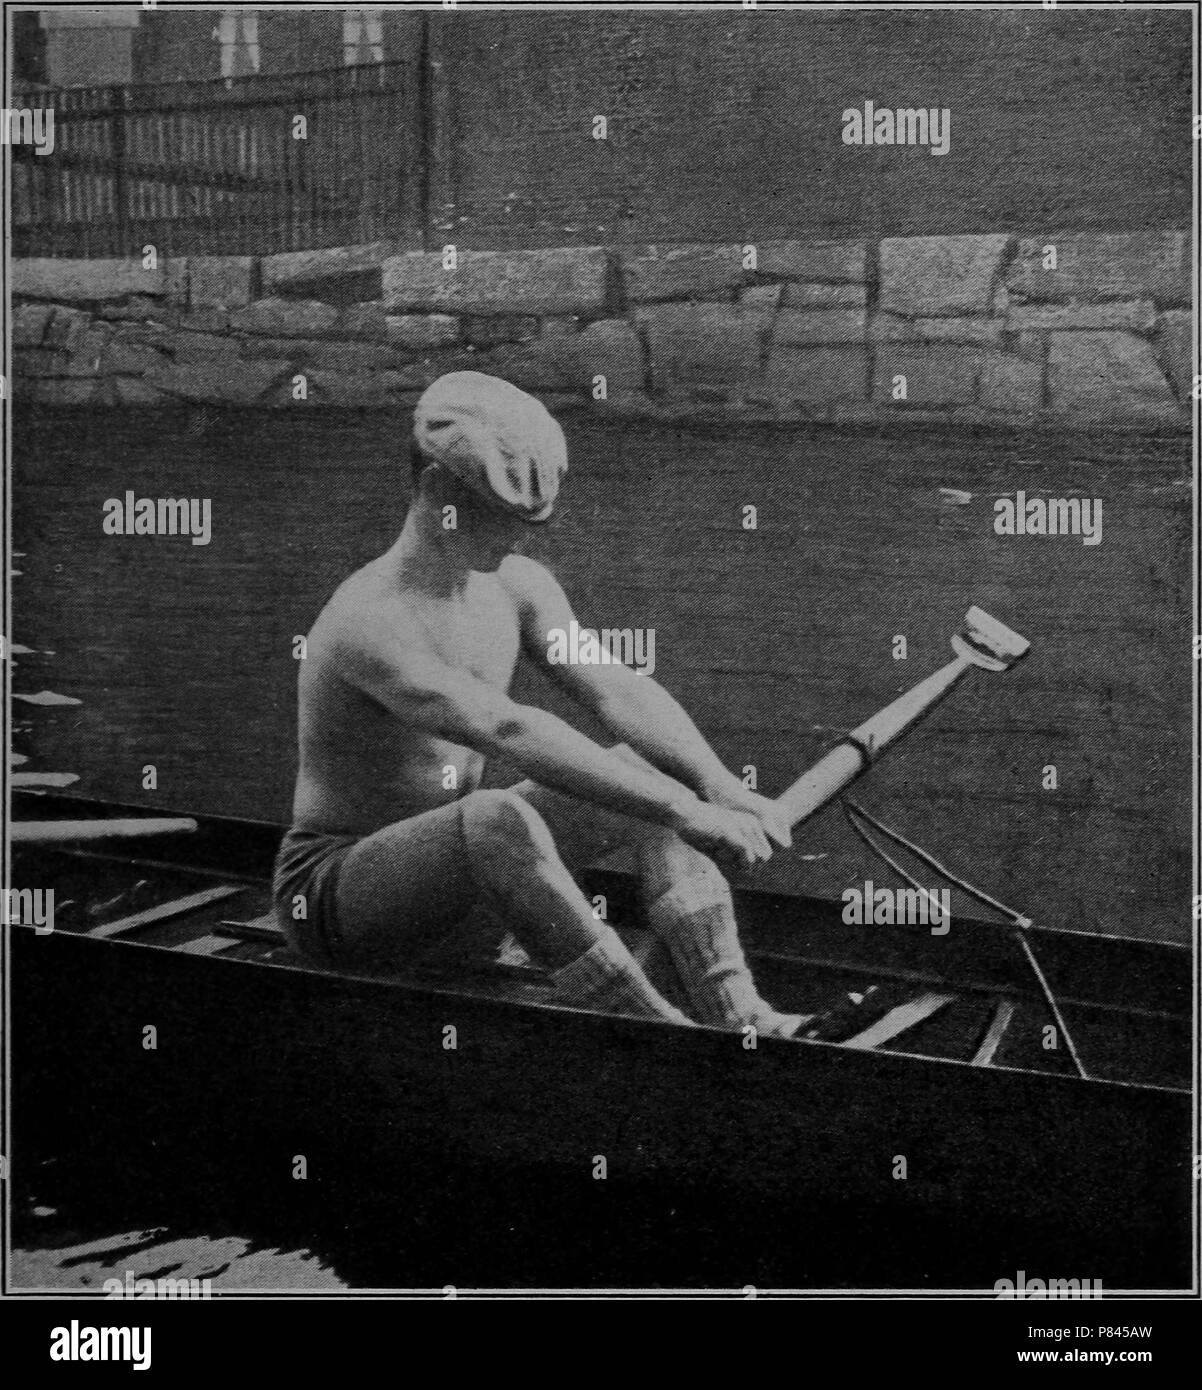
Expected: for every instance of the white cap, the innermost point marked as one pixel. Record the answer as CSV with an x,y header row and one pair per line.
x,y
496,439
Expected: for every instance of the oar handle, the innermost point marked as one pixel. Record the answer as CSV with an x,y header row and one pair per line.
x,y
45,832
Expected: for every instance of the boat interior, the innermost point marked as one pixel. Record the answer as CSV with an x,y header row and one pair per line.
x,y
969,996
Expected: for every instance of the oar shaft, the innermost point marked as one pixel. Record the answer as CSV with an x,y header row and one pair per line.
x,y
897,717
68,831
825,780
843,764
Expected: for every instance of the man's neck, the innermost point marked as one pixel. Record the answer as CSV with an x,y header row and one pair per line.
x,y
424,556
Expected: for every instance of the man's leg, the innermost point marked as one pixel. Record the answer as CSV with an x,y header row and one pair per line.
x,y
689,907
403,888
688,903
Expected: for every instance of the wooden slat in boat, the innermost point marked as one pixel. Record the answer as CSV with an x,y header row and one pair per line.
x,y
899,1020
164,911
1003,1016
209,945
264,928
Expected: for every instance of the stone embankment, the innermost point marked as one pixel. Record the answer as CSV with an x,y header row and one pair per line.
x,y
1080,331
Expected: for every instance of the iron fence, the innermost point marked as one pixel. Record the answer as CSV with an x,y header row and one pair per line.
x,y
237,166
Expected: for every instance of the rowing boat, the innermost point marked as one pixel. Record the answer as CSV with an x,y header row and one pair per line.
x,y
949,1088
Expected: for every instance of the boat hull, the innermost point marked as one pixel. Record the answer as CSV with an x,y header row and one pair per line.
x,y
130,1057
357,1076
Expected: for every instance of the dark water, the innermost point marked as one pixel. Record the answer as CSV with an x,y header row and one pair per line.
x,y
180,657
775,640
477,1227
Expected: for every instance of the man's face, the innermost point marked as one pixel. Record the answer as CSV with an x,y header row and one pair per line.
x,y
486,534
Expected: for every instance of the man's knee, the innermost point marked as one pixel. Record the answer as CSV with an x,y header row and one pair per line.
x,y
497,820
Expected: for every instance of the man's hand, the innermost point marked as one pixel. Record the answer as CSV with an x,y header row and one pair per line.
x,y
734,796
735,839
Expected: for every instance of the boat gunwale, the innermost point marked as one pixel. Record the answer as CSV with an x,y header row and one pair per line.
x,y
764,897
274,827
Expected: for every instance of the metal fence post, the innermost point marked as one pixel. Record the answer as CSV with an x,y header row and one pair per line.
x,y
434,127
120,102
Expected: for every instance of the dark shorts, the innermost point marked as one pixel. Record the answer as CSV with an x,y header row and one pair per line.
x,y
307,867
374,902
405,893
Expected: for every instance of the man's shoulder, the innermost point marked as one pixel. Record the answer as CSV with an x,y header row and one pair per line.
x,y
527,580
360,614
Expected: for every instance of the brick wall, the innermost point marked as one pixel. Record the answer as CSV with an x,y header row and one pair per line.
x,y
726,126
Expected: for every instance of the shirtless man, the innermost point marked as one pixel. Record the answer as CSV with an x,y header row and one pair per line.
x,y
404,695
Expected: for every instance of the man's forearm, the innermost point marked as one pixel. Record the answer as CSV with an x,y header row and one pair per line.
x,y
552,752
655,725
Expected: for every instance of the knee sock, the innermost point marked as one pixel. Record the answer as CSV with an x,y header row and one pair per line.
x,y
695,919
607,977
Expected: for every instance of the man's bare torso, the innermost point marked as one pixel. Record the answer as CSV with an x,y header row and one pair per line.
x,y
362,766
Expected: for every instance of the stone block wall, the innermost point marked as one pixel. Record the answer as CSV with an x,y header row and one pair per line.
x,y
1078,331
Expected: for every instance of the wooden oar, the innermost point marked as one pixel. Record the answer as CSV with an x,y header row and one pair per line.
x,y
984,642
54,780
45,832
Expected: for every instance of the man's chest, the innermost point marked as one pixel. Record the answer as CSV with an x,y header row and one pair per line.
x,y
478,634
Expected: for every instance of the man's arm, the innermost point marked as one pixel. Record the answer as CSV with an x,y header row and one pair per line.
x,y
455,705
634,707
